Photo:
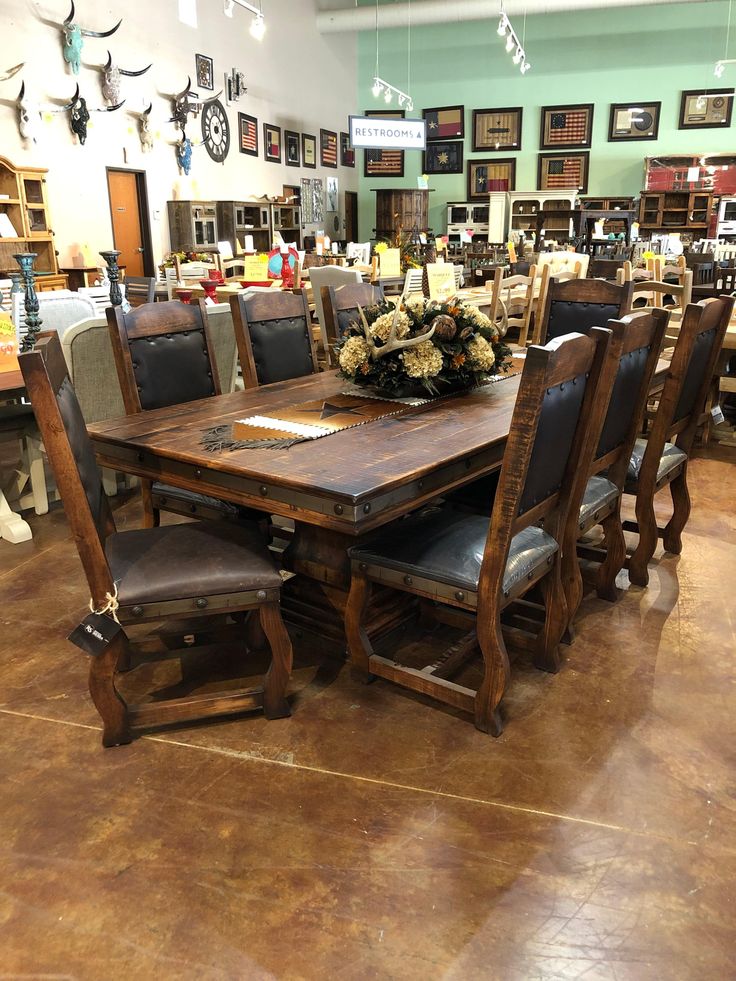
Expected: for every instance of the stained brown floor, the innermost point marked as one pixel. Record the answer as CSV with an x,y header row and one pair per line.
x,y
374,835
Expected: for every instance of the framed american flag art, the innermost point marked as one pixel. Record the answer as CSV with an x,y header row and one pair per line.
x,y
494,174
383,163
563,171
566,127
327,148
497,129
248,134
347,153
447,123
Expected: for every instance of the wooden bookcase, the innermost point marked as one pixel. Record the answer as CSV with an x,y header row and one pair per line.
x,y
236,219
676,211
26,208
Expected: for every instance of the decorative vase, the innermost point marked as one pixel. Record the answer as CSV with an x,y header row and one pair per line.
x,y
33,321
113,274
210,289
184,296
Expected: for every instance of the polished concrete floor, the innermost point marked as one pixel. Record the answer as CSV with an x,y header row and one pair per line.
x,y
373,834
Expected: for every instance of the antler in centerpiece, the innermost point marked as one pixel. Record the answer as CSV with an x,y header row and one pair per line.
x,y
392,342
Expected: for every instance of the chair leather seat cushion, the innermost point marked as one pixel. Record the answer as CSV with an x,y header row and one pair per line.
x,y
671,457
599,492
193,499
447,546
203,558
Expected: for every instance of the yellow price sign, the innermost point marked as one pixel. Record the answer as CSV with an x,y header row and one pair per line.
x,y
441,280
391,262
256,268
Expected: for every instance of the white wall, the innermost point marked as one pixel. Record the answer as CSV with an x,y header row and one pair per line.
x,y
296,79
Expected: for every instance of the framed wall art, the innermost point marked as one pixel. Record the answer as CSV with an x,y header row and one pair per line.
x,y
706,109
347,152
204,72
566,127
633,121
447,123
497,129
443,158
272,143
292,156
327,148
383,163
494,174
563,171
248,134
309,150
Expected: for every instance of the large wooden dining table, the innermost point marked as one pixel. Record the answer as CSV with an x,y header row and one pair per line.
x,y
337,489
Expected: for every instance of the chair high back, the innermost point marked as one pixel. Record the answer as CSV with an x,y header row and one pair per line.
x,y
140,289
341,308
413,281
164,354
512,301
72,458
725,279
58,309
88,353
274,337
578,305
328,276
224,349
656,292
605,268
549,439
564,262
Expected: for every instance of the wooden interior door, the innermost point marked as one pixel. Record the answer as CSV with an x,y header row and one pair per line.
x,y
351,216
127,227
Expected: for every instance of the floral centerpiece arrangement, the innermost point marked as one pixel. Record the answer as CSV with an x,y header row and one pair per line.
x,y
170,257
421,346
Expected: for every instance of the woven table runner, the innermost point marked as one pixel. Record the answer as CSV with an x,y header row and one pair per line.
x,y
321,417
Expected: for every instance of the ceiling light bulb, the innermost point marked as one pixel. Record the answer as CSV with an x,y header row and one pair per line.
x,y
525,68
388,96
719,69
502,25
518,56
258,27
510,42
377,88
228,7
410,106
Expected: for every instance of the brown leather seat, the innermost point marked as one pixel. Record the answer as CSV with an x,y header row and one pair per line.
x,y
155,565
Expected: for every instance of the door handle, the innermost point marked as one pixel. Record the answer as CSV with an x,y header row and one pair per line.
x,y
140,250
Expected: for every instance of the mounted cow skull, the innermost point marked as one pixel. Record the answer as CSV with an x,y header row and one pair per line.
x,y
112,78
144,128
184,154
74,39
182,106
79,115
29,116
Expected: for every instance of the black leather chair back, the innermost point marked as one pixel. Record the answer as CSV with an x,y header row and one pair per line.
x,y
568,316
624,399
274,338
699,361
345,301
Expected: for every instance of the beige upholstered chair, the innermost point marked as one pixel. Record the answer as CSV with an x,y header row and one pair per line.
x,y
58,310
328,276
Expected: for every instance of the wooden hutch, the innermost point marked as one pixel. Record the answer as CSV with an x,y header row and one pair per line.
x,y
400,207
24,205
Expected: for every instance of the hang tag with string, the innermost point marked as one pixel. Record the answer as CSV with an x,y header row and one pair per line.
x,y
99,628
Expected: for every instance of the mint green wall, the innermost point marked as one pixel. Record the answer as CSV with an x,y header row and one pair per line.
x,y
599,56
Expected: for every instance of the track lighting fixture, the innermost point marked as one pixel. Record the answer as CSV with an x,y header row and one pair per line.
x,y
389,91
257,25
512,42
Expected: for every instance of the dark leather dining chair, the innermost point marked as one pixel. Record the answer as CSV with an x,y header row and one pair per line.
x,y
164,355
156,574
579,304
661,459
480,565
340,305
140,290
274,337
632,358
604,268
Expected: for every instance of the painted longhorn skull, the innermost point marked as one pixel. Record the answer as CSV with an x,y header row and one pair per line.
x,y
74,39
79,115
184,154
29,116
112,80
182,106
144,129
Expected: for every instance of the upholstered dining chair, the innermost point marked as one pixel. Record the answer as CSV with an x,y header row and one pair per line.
x,y
605,268
169,573
273,335
321,277
164,355
661,459
340,305
471,567
632,358
578,305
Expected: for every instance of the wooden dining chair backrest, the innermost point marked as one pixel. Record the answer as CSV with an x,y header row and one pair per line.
x,y
549,440
702,265
164,354
725,279
605,268
274,336
140,289
340,305
683,397
72,457
669,296
579,304
512,301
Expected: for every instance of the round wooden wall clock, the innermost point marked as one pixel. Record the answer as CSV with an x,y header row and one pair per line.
x,y
215,131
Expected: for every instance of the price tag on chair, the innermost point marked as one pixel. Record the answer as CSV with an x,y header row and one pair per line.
x,y
391,262
95,633
441,280
255,268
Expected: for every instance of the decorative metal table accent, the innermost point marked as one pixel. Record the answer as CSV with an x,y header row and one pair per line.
x,y
111,258
33,321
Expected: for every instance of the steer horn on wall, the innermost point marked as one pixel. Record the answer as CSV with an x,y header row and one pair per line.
x,y
112,79
79,114
182,108
4,76
74,39
29,116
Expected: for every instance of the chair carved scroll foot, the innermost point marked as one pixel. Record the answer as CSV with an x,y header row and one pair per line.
x,y
647,544
359,646
615,546
108,701
275,702
547,656
495,679
672,537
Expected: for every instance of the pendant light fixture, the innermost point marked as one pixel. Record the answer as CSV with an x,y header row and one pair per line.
x,y
505,30
381,86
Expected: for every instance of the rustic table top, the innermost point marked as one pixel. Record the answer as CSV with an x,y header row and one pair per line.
x,y
11,381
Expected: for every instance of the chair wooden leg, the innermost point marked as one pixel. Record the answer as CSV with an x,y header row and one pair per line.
x,y
37,474
495,678
672,536
108,701
615,546
645,548
572,581
359,646
151,515
547,656
276,682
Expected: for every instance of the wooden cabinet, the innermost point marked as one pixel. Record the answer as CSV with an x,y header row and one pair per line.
x,y
403,208
193,226
286,219
676,211
236,219
26,225
521,208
